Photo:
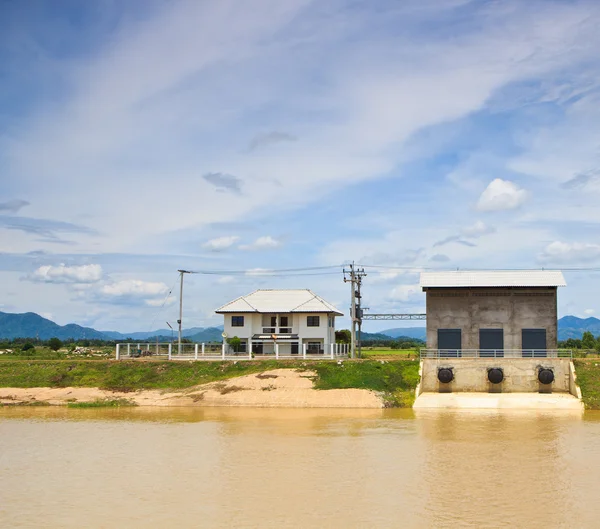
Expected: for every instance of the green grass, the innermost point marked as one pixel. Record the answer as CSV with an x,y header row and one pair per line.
x,y
102,403
588,378
123,375
386,352
395,379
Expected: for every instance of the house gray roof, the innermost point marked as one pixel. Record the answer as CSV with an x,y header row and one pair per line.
x,y
493,278
279,301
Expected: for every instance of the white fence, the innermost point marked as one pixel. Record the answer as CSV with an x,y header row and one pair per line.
x,y
201,351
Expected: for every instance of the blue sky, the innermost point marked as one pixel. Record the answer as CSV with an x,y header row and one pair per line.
x,y
140,137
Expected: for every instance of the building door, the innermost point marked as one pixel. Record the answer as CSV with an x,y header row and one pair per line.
x,y
491,342
257,348
449,342
294,348
533,342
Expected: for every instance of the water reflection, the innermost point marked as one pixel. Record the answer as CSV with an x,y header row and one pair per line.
x,y
485,466
224,467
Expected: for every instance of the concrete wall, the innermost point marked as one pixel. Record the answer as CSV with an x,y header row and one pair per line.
x,y
520,375
511,309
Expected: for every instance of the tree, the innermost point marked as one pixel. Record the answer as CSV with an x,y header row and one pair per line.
x,y
343,336
588,341
55,344
28,346
571,343
235,343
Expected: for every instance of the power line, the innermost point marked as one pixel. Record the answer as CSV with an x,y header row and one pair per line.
x,y
267,271
163,304
456,269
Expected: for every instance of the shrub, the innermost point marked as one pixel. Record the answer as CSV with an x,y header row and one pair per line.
x,y
55,344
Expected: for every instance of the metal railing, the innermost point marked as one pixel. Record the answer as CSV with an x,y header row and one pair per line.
x,y
496,353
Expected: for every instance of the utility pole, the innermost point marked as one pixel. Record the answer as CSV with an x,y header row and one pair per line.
x,y
359,310
181,272
355,308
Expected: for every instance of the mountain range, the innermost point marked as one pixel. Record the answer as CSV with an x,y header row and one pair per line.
x,y
32,325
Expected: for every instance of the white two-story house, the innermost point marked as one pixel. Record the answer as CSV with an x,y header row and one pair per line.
x,y
293,321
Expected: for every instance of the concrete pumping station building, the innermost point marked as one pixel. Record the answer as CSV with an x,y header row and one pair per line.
x,y
492,310
492,342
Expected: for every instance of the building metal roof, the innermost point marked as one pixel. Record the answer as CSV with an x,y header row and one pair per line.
x,y
279,301
493,278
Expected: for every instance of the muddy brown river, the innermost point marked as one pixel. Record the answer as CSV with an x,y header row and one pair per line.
x,y
227,467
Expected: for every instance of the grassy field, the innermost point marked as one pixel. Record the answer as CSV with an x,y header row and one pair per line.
x,y
387,353
396,380
588,378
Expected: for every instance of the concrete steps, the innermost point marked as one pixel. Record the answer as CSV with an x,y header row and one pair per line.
x,y
514,401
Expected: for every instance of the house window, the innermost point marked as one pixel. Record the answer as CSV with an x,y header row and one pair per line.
x,y
283,321
269,323
313,321
237,321
330,321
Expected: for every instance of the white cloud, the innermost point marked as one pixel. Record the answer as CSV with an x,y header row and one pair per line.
x,y
67,274
262,243
221,243
477,230
158,302
404,293
589,312
501,195
564,252
224,280
133,290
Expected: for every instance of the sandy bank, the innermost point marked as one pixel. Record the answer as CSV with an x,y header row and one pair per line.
x,y
279,388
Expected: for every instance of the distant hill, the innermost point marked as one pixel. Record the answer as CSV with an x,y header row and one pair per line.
x,y
375,336
410,332
574,327
210,334
380,336
32,325
145,335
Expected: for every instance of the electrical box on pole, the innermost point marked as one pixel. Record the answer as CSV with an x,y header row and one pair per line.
x,y
355,279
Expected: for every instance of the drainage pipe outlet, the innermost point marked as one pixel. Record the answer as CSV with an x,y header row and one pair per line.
x,y
545,375
495,375
445,375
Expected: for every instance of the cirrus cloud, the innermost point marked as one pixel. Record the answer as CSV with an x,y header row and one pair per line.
x,y
262,243
221,243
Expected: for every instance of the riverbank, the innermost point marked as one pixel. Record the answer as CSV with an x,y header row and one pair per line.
x,y
358,384
245,383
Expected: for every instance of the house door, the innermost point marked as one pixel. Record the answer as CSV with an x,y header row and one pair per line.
x,y
491,342
257,348
449,342
533,342
294,348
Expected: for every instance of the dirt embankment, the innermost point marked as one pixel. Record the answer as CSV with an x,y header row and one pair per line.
x,y
275,388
